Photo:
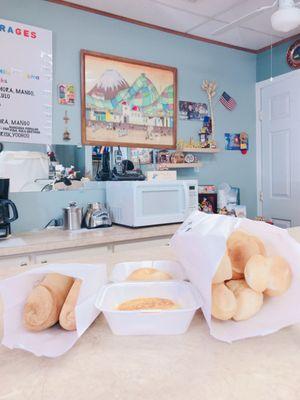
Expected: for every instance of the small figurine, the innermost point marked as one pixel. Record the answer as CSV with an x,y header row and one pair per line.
x,y
66,135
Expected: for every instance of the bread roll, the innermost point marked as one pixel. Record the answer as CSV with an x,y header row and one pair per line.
x,y
240,248
236,285
223,302
148,303
237,275
260,244
149,274
224,271
280,276
249,302
45,302
257,272
67,319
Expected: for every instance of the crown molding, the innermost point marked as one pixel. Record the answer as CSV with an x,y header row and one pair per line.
x,y
169,30
294,37
150,26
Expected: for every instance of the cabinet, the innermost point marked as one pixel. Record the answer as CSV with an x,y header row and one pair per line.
x,y
61,256
141,244
10,266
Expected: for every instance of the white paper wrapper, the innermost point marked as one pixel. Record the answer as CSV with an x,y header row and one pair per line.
x,y
54,341
200,243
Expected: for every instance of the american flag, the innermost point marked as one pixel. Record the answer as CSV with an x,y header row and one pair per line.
x,y
227,101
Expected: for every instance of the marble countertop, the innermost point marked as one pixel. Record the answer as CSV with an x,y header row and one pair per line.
x,y
55,239
192,366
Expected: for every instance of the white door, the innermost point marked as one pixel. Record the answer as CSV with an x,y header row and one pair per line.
x,y
280,153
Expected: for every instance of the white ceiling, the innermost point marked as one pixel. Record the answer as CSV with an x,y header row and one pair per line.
x,y
200,17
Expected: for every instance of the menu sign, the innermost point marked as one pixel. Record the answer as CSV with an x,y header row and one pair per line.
x,y
25,83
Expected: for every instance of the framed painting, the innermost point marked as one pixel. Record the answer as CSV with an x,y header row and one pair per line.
x,y
127,102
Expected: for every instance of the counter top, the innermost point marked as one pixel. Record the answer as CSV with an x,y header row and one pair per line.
x,y
192,366
56,239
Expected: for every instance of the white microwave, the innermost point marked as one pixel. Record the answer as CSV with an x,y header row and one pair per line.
x,y
136,203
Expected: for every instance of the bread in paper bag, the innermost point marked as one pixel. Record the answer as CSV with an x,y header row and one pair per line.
x,y
201,242
53,341
45,301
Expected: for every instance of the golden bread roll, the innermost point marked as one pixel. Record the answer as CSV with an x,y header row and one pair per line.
x,y
249,302
45,302
149,274
260,244
280,276
236,285
224,271
223,302
67,319
240,248
257,272
148,303
237,275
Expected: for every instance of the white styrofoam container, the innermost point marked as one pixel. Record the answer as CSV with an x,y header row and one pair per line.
x,y
122,270
164,322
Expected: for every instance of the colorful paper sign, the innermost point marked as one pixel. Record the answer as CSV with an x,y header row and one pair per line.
x,y
25,83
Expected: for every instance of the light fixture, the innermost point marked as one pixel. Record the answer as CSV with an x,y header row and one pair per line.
x,y
287,17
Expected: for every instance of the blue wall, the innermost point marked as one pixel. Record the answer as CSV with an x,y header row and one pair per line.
x,y
279,67
234,71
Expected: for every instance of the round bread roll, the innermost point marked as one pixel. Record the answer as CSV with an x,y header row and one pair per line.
x,y
260,244
240,248
249,302
223,302
148,303
280,276
224,271
257,272
236,285
149,274
237,275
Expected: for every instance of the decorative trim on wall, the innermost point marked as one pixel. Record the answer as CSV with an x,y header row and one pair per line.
x,y
297,36
169,30
151,26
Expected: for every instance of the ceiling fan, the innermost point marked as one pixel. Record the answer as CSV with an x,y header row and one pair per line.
x,y
285,19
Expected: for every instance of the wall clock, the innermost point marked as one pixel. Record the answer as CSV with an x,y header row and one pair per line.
x,y
293,55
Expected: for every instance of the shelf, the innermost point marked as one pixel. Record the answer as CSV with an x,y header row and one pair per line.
x,y
181,165
198,150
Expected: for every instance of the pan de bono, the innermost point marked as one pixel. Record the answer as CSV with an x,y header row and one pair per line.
x,y
249,302
224,271
257,272
280,276
148,303
240,248
237,275
149,274
223,301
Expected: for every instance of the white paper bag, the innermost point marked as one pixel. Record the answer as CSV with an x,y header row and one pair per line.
x,y
200,243
54,341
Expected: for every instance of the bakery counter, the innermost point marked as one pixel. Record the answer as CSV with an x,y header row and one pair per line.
x,y
191,366
56,245
58,239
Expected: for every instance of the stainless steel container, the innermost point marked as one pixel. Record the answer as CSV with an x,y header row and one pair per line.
x,y
72,217
97,216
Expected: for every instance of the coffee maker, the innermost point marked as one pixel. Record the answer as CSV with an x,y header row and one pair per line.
x,y
8,210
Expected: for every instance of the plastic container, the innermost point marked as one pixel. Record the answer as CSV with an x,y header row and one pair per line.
x,y
164,322
121,271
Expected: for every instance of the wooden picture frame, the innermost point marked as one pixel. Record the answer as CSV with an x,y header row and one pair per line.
x,y
126,102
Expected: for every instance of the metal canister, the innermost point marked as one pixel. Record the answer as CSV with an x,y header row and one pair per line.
x,y
72,216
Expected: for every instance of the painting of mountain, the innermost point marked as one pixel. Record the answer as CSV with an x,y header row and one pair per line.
x,y
128,102
109,85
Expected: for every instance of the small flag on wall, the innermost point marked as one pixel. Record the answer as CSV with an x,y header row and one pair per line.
x,y
228,101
